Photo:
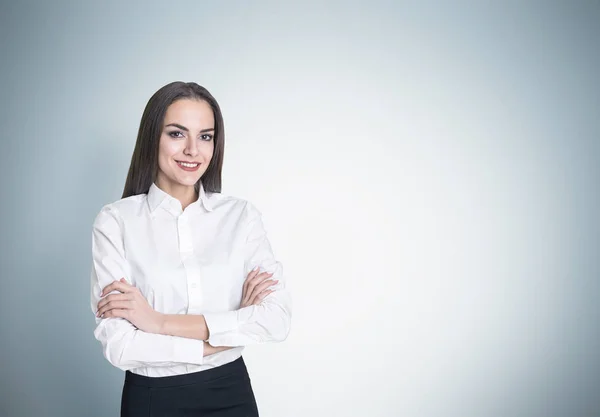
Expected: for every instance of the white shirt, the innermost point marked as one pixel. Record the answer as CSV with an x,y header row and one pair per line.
x,y
191,261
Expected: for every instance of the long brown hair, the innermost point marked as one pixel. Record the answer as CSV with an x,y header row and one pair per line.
x,y
144,161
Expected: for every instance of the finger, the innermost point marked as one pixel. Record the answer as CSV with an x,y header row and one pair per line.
x,y
110,287
265,284
253,272
248,281
259,278
116,285
261,287
124,305
121,305
245,295
113,297
117,312
250,288
261,296
253,283
250,276
256,275
257,290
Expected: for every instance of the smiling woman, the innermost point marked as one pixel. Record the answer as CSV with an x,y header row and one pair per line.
x,y
183,276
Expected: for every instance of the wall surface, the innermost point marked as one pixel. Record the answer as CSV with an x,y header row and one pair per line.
x,y
428,175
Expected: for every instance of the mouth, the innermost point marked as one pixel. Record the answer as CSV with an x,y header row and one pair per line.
x,y
188,166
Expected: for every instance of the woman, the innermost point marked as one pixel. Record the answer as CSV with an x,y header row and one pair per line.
x,y
183,276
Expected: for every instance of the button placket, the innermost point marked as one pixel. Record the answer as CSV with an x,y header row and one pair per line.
x,y
185,236
194,287
192,272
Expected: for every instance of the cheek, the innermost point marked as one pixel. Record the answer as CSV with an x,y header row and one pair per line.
x,y
208,151
169,148
167,151
164,157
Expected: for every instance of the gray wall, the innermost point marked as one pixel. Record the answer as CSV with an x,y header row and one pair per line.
x,y
428,175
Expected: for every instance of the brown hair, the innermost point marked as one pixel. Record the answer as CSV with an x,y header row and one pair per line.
x,y
144,161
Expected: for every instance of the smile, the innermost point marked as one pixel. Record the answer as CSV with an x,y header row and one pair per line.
x,y
188,166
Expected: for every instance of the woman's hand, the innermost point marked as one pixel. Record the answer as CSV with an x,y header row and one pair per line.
x,y
253,292
255,287
211,350
129,304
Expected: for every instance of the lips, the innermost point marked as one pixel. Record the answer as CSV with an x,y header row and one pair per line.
x,y
188,168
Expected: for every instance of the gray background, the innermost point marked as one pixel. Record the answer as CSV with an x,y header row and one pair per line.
x,y
428,174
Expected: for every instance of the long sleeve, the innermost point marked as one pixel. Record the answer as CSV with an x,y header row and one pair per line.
x,y
268,321
123,345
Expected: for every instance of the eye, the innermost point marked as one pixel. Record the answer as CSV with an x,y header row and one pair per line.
x,y
175,132
207,137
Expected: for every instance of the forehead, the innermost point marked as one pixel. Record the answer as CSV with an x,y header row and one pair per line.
x,y
190,113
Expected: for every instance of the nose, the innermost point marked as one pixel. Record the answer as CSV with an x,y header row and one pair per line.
x,y
191,146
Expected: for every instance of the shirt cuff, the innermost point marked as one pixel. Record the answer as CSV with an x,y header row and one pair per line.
x,y
219,323
188,350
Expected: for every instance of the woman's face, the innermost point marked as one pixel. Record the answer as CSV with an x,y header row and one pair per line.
x,y
187,136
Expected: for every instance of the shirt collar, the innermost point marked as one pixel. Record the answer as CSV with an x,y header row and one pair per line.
x,y
156,196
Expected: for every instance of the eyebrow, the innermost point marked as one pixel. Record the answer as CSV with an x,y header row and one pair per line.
x,y
186,129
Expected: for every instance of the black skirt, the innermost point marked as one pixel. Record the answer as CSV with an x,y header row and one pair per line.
x,y
224,391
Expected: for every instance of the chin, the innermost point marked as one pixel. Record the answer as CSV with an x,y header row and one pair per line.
x,y
189,183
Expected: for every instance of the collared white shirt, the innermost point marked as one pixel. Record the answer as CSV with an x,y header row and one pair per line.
x,y
191,261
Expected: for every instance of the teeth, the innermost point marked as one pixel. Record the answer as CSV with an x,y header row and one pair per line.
x,y
185,164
